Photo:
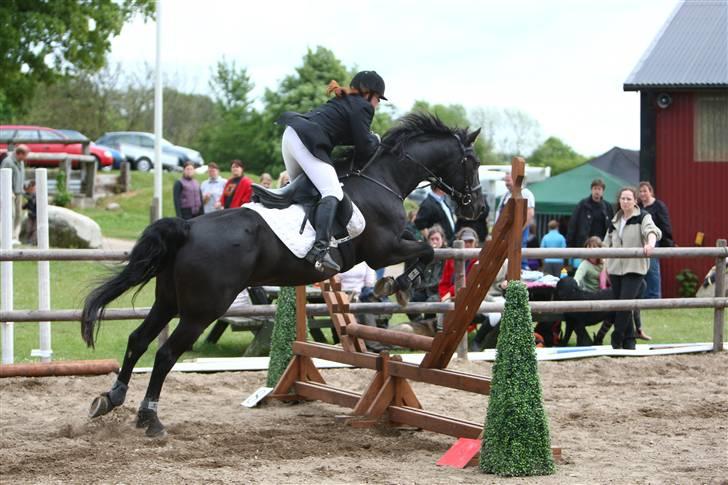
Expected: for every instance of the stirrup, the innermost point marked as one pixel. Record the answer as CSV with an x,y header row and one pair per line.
x,y
322,260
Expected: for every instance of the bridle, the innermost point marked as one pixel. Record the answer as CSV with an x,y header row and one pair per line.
x,y
463,199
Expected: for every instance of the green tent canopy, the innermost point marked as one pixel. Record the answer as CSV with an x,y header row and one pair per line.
x,y
559,195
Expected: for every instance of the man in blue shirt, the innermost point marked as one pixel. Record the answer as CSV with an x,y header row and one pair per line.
x,y
553,239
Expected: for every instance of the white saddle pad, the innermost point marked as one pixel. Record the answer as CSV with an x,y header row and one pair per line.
x,y
286,224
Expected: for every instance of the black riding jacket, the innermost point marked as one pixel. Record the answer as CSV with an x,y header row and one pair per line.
x,y
342,120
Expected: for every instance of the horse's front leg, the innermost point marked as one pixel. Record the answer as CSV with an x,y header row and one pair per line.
x,y
416,255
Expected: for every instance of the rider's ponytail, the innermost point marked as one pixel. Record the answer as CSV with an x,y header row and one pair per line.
x,y
340,91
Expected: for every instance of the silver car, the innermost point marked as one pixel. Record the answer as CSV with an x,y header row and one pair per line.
x,y
138,146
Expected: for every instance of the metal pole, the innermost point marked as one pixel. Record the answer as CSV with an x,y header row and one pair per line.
x,y
6,267
462,351
44,270
157,201
719,315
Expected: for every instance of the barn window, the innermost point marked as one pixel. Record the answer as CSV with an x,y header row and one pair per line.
x,y
711,127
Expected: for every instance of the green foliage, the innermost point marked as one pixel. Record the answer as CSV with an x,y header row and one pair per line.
x,y
234,131
516,440
688,283
62,197
41,40
284,334
556,154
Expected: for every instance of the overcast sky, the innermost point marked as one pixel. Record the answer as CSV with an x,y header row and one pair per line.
x,y
561,61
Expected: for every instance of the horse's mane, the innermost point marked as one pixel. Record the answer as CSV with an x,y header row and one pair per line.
x,y
418,123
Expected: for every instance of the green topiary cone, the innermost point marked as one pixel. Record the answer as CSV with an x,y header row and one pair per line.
x,y
284,333
516,441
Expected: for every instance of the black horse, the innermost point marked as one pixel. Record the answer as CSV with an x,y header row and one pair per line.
x,y
202,264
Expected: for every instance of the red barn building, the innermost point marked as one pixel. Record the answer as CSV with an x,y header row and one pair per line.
x,y
683,83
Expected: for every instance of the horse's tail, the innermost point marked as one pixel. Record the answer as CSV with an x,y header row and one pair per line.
x,y
156,248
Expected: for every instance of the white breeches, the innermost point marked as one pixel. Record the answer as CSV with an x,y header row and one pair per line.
x,y
298,159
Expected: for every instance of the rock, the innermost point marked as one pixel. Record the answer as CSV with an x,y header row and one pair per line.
x,y
113,206
69,229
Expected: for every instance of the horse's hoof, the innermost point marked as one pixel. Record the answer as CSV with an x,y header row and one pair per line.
x,y
156,430
403,297
385,287
145,418
100,406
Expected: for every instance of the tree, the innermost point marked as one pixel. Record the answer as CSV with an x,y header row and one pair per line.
x,y
556,154
234,131
42,40
522,132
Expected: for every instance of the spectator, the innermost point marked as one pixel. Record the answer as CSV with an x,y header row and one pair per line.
x,y
591,217
266,180
187,197
630,228
588,274
434,210
238,188
530,211
359,282
426,289
446,287
553,239
15,161
283,179
411,229
30,224
212,189
661,218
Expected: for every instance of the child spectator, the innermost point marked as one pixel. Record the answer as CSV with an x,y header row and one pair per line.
x,y
30,224
588,274
553,239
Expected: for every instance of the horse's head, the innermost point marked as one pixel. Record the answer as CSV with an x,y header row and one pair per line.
x,y
446,158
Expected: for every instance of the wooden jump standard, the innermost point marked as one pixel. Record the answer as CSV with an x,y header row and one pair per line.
x,y
389,392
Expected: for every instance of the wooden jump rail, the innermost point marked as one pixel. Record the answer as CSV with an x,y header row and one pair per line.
x,y
389,392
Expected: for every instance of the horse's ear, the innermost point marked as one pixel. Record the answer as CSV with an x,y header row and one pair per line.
x,y
470,139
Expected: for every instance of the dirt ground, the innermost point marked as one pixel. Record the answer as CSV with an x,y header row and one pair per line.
x,y
628,420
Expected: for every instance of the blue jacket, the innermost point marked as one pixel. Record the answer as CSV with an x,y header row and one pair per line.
x,y
553,239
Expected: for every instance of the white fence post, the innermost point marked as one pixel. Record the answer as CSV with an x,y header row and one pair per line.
x,y
44,270
6,267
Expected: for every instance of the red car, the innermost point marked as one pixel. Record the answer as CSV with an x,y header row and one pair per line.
x,y
47,142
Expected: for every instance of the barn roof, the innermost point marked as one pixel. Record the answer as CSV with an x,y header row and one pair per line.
x,y
691,50
620,162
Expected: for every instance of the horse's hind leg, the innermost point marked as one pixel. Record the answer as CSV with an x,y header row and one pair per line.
x,y
180,341
159,315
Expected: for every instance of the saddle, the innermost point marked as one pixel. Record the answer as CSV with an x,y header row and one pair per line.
x,y
300,191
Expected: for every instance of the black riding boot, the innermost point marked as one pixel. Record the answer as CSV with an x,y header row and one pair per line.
x,y
324,218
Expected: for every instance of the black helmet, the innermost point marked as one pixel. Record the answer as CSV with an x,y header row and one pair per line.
x,y
369,81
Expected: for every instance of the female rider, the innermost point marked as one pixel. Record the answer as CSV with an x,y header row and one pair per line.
x,y
309,139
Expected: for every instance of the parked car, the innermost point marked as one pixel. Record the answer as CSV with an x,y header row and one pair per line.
x,y
138,147
116,155
46,140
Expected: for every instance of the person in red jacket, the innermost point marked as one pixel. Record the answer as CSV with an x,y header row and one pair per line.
x,y
446,288
238,188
